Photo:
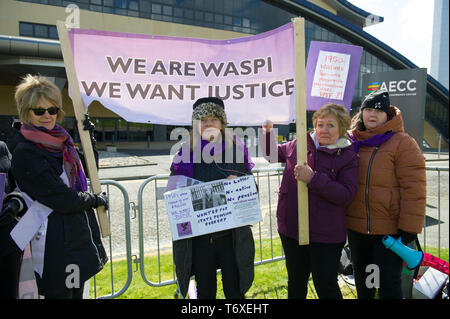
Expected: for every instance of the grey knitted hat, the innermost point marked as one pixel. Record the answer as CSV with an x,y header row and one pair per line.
x,y
209,107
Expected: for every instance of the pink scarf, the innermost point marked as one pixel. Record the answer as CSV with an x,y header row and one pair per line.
x,y
57,141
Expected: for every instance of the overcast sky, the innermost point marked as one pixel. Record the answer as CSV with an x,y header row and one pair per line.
x,y
407,26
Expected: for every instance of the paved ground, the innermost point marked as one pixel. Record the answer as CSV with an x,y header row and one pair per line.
x,y
131,168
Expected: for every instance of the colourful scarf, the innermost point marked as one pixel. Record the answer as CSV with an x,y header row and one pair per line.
x,y
375,140
58,143
187,169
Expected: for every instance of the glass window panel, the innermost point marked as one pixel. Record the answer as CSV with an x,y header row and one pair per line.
x,y
218,18
188,3
121,11
228,6
25,29
95,8
133,5
178,12
156,8
121,4
189,14
156,16
208,5
145,6
132,13
177,20
41,31
198,15
209,17
167,10
228,20
52,33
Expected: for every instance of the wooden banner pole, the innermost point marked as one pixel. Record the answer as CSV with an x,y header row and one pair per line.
x,y
302,189
79,110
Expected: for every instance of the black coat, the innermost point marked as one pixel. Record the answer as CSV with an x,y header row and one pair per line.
x,y
242,237
73,235
7,222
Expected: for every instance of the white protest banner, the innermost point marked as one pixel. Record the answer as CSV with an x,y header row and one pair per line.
x,y
156,79
330,77
211,207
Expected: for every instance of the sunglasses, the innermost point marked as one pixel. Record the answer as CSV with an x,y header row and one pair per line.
x,y
51,110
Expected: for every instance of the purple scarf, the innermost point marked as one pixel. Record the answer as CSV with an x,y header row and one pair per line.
x,y
58,143
187,169
376,140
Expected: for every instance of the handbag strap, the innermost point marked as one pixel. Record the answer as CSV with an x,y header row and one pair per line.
x,y
419,248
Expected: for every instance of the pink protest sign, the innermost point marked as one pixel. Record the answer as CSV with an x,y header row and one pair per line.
x,y
156,79
331,74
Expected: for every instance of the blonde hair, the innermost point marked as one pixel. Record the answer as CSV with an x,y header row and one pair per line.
x,y
340,112
31,90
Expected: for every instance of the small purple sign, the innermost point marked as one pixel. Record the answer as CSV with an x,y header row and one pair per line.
x,y
184,229
331,73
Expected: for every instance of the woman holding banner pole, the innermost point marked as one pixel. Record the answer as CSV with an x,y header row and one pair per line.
x,y
66,248
331,175
231,250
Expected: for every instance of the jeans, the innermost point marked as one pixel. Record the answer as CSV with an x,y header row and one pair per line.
x,y
320,259
368,250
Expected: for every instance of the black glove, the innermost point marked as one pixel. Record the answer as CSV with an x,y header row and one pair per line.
x,y
89,126
406,237
14,204
101,200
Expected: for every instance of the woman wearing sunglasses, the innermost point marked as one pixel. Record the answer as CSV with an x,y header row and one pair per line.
x,y
48,168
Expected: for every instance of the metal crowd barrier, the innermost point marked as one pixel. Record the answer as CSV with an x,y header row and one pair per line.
x,y
120,231
154,232
423,237
157,196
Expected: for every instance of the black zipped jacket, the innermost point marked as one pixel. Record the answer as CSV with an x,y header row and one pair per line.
x,y
73,234
7,222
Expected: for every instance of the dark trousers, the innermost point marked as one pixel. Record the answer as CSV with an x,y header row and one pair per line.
x,y
320,259
69,293
209,254
10,274
368,250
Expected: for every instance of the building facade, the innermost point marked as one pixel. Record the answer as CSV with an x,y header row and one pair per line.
x,y
28,44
